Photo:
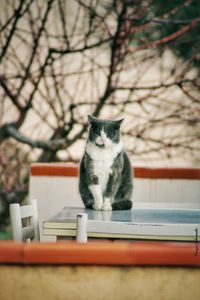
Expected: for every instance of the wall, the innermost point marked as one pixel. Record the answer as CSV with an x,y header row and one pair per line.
x,y
91,282
99,270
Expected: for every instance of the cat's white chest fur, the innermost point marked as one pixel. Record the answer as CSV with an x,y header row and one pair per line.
x,y
103,169
103,159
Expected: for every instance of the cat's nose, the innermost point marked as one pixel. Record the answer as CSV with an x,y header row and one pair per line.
x,y
100,141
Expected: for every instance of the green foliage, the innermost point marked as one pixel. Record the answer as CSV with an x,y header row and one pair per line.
x,y
168,17
5,234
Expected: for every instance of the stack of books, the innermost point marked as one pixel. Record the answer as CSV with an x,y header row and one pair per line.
x,y
138,223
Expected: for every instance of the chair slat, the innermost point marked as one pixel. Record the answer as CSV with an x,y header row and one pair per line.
x,y
26,211
28,232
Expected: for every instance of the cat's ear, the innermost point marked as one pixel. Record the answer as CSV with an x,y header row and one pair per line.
x,y
119,122
91,119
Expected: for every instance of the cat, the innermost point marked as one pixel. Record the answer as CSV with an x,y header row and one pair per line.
x,y
105,177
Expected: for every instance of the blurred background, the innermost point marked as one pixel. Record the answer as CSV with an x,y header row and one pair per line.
x,y
61,60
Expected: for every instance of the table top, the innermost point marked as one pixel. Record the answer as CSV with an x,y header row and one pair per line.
x,y
138,215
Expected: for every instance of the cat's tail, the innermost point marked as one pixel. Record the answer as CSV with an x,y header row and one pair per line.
x,y
122,205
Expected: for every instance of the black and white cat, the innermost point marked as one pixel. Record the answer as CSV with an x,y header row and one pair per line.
x,y
105,181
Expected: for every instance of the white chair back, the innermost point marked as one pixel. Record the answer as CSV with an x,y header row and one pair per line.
x,y
29,212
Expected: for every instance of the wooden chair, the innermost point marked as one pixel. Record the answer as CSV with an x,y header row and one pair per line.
x,y
18,214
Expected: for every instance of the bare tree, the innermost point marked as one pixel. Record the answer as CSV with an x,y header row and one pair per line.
x,y
61,60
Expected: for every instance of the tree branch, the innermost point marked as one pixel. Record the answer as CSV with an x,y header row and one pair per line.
x,y
12,97
154,87
51,145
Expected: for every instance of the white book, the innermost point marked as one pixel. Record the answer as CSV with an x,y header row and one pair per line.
x,y
138,223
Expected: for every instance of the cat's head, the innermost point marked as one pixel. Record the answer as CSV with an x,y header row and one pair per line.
x,y
104,133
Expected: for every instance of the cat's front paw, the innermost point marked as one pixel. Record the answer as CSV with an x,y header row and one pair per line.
x,y
107,204
98,206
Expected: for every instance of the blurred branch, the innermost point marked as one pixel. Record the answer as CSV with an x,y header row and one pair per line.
x,y
51,145
168,38
170,21
35,46
78,50
11,96
19,13
162,85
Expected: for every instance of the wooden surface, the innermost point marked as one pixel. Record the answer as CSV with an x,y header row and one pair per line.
x,y
101,253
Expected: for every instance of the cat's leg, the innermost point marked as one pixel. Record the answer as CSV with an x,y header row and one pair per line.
x,y
93,183
95,190
124,195
110,192
97,195
85,193
107,204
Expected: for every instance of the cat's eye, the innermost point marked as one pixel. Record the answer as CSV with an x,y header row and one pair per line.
x,y
96,128
114,132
